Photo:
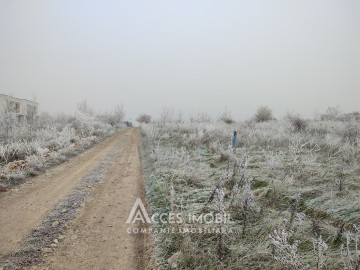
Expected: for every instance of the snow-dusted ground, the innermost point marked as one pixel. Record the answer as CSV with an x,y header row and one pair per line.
x,y
293,194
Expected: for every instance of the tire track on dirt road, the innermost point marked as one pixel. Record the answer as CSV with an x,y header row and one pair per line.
x,y
97,237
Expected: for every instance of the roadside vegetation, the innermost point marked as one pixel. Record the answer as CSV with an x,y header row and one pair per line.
x,y
291,187
27,147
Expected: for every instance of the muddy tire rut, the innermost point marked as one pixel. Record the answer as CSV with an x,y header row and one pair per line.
x,y
78,210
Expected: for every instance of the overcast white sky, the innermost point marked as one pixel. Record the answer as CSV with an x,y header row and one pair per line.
x,y
299,56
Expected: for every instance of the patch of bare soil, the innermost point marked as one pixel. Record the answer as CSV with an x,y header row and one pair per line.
x,y
81,223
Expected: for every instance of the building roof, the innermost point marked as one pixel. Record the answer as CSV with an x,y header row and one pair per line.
x,y
19,98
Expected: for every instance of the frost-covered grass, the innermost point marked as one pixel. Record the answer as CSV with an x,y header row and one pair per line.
x,y
28,147
292,193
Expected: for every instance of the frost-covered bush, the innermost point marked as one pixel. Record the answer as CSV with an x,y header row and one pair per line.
x,y
47,139
144,118
332,113
298,123
35,162
150,132
285,252
263,114
351,132
6,152
85,124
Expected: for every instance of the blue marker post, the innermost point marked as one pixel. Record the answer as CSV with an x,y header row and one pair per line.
x,y
235,138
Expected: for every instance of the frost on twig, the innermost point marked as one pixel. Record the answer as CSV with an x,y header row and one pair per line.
x,y
248,202
319,250
284,252
351,261
223,232
294,211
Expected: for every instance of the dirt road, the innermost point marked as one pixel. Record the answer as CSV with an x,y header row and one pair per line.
x,y
96,238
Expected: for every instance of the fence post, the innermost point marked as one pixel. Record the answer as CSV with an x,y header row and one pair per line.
x,y
234,141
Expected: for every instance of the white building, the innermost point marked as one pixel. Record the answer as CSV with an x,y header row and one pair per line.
x,y
24,109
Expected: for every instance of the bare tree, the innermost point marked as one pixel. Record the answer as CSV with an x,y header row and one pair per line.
x,y
203,117
167,115
84,108
332,113
119,114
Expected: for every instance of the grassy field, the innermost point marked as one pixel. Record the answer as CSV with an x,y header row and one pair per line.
x,y
291,188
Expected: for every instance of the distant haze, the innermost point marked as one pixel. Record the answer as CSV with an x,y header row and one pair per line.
x,y
195,56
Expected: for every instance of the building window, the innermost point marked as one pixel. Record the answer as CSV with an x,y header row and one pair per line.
x,y
14,106
31,110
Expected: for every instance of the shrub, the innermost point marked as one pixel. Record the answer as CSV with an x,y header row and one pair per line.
x,y
332,113
35,162
144,118
263,114
226,117
350,116
298,123
204,118
351,132
228,121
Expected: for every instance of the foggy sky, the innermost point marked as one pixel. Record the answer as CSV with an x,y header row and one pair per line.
x,y
299,56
